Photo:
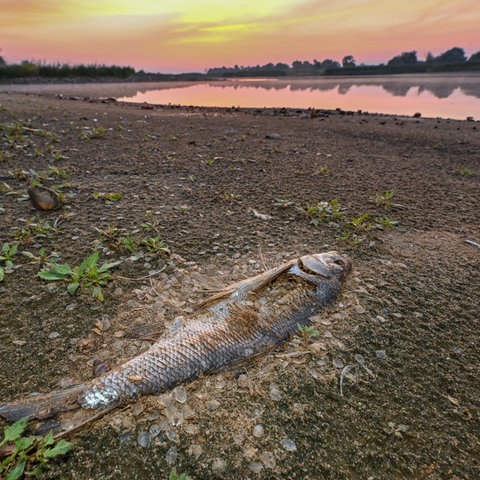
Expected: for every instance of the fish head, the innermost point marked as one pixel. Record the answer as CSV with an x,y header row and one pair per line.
x,y
328,265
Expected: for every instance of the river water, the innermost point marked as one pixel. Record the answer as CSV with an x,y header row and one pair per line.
x,y
445,96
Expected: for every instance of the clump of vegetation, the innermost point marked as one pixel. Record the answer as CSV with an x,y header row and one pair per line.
x,y
323,170
28,456
87,274
464,171
6,254
174,475
307,331
384,199
93,133
42,257
33,230
324,211
107,197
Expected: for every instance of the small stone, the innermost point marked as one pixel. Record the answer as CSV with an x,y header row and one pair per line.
x,y
381,355
359,309
337,362
359,358
126,438
327,334
268,459
171,456
154,430
172,436
191,429
258,431
143,439
321,362
70,307
255,467
180,394
242,381
53,335
273,136
195,451
275,393
288,445
153,415
212,404
219,465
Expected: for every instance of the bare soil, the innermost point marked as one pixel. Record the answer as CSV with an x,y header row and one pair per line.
x,y
226,190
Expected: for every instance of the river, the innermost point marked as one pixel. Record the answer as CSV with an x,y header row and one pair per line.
x,y
435,95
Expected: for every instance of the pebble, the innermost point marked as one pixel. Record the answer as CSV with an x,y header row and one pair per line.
x,y
219,465
196,451
337,362
180,394
212,404
275,393
321,362
70,307
154,430
258,431
288,445
126,438
327,334
359,309
171,456
268,459
143,439
359,358
381,355
54,335
172,436
255,467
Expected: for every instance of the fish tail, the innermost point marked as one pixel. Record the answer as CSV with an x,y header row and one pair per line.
x,y
43,405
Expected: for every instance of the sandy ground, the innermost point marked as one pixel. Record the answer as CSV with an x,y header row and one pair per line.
x,y
232,193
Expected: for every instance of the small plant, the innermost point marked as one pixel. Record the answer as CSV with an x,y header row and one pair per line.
x,y
28,456
178,476
155,245
33,230
107,197
93,133
385,222
42,257
323,211
307,331
6,254
385,199
57,172
282,202
323,170
87,274
129,243
361,223
351,238
463,171
209,161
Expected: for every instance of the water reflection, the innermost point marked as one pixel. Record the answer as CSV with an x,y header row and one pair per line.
x,y
452,96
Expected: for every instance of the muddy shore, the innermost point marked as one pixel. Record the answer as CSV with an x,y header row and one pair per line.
x,y
232,192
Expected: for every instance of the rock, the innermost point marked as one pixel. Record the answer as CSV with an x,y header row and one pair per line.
x,y
180,394
143,439
219,465
288,445
255,467
196,451
258,431
268,459
381,355
273,136
275,393
171,456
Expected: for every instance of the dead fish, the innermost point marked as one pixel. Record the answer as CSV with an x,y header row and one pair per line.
x,y
43,198
225,330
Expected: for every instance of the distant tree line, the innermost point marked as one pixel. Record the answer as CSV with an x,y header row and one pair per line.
x,y
28,69
454,59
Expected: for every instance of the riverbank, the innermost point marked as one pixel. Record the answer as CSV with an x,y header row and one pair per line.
x,y
232,192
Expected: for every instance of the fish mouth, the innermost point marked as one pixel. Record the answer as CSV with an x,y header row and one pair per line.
x,y
328,264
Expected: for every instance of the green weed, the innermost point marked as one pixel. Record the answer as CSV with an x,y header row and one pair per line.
x,y
107,197
178,476
28,456
464,171
87,274
323,211
384,199
307,331
93,133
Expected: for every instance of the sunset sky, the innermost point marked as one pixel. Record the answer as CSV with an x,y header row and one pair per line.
x,y
190,35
